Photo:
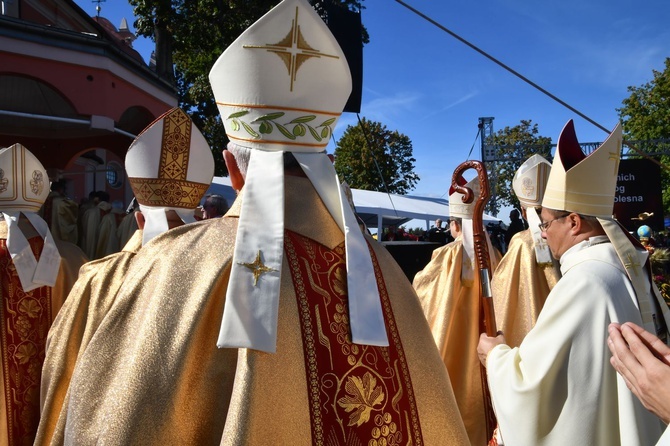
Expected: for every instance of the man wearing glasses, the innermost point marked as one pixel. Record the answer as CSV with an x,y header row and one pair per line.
x,y
557,387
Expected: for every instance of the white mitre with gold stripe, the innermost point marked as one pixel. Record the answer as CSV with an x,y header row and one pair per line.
x,y
24,186
169,167
280,87
529,184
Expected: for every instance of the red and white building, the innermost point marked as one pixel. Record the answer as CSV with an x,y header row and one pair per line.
x,y
75,93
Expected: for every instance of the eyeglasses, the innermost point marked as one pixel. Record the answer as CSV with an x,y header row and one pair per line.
x,y
544,226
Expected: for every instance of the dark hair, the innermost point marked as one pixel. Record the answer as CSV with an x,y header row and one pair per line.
x,y
219,203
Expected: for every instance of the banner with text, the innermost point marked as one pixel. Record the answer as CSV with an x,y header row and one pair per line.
x,y
638,193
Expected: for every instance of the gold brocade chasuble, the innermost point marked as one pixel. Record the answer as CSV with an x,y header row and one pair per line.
x,y
82,313
454,314
359,394
152,373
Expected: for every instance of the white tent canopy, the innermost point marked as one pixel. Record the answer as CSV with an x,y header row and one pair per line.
x,y
376,208
381,209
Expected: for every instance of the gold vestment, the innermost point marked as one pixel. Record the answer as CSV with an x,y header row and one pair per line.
x,y
453,314
153,374
76,323
519,288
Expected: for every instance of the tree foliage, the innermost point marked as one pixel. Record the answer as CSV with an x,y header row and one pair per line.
x,y
645,115
513,145
375,158
198,31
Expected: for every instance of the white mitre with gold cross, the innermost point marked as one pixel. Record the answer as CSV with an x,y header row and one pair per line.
x,y
529,184
586,185
24,186
169,167
281,87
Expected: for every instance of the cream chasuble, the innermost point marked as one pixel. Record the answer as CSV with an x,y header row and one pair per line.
x,y
558,387
153,374
519,288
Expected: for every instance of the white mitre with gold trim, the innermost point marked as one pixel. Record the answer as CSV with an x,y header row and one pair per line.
x,y
587,185
584,184
529,184
169,167
280,87
24,187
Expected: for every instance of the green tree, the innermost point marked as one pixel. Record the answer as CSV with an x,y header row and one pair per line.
x,y
513,146
194,33
645,115
375,158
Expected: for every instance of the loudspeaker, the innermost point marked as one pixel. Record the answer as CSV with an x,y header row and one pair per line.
x,y
346,26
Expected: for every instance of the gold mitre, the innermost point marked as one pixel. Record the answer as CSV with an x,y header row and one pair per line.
x,y
530,181
580,183
23,180
274,85
457,208
170,164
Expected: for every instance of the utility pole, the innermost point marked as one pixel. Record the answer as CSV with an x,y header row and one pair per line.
x,y
489,156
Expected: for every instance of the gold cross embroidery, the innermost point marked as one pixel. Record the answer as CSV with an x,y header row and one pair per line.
x,y
293,49
631,264
257,267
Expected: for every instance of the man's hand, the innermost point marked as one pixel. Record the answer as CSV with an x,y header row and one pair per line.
x,y
486,344
643,360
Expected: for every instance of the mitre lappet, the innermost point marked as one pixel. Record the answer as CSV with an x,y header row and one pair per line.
x,y
281,87
170,167
465,211
529,183
24,186
586,185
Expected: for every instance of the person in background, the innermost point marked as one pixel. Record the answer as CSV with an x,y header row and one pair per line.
x,y
128,224
559,377
449,294
36,274
437,233
517,224
61,213
99,281
90,231
215,206
527,271
310,351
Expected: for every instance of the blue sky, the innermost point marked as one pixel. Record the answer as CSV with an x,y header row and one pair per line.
x,y
421,81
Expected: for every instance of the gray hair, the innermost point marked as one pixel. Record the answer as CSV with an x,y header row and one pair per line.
x,y
242,155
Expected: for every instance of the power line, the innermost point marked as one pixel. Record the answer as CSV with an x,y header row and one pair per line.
x,y
523,78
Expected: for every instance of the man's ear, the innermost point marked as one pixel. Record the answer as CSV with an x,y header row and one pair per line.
x,y
236,178
139,218
576,223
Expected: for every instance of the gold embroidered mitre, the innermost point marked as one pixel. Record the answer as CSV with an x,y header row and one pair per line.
x,y
530,181
170,164
23,180
457,208
283,83
580,183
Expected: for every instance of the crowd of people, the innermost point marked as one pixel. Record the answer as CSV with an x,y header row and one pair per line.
x,y
295,326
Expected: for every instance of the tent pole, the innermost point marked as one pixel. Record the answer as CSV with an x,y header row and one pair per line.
x,y
380,228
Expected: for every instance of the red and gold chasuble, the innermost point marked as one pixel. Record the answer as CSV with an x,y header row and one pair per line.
x,y
359,394
26,318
